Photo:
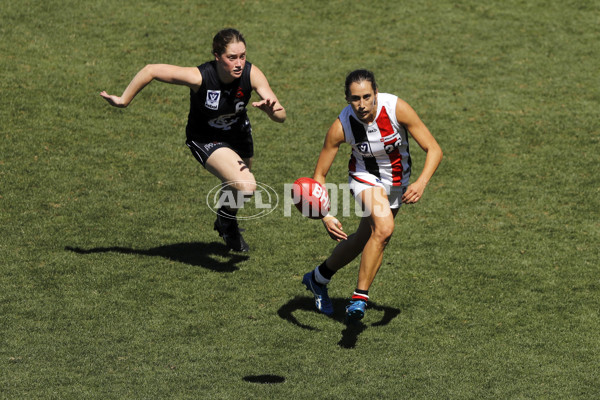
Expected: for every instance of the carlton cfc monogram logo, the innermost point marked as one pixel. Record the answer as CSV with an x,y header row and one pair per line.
x,y
212,99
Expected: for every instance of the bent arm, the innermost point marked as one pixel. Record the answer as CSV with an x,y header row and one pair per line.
x,y
333,140
269,102
187,76
409,118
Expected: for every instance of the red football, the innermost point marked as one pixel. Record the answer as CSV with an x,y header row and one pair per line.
x,y
310,198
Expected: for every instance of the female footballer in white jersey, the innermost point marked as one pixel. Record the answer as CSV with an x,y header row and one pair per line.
x,y
376,125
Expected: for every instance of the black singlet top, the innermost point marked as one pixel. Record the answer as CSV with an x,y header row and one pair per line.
x,y
218,110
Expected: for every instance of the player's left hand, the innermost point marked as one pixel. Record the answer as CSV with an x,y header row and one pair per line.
x,y
413,193
267,105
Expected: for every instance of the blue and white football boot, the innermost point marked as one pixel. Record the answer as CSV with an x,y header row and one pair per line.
x,y
355,311
322,300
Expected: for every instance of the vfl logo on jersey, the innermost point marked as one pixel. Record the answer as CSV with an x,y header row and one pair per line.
x,y
364,149
212,99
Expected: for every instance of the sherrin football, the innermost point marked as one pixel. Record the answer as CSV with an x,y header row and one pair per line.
x,y
310,198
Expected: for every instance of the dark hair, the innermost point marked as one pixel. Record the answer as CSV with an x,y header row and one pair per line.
x,y
359,75
224,37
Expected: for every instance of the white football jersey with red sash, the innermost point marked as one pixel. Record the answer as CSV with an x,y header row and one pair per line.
x,y
380,153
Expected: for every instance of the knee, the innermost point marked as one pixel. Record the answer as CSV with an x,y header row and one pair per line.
x,y
247,187
382,232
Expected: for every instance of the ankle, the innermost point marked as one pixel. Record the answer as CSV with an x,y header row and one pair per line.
x,y
360,295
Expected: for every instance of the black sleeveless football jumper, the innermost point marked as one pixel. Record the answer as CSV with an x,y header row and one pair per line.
x,y
218,110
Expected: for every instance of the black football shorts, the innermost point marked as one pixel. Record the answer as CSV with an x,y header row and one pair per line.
x,y
202,151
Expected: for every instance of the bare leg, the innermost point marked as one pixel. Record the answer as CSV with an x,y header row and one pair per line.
x,y
371,238
347,250
238,185
226,165
381,221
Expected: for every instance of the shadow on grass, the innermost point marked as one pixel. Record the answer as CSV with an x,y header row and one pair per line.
x,y
351,332
196,254
264,379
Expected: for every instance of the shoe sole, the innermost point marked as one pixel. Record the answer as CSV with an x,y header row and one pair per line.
x,y
355,316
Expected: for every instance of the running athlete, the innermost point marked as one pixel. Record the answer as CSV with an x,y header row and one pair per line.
x,y
376,125
218,129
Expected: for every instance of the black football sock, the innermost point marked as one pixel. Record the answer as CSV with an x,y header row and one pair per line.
x,y
324,271
321,275
226,212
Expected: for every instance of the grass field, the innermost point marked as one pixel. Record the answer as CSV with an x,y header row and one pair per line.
x,y
114,285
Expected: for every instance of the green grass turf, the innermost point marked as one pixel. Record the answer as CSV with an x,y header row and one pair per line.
x,y
114,285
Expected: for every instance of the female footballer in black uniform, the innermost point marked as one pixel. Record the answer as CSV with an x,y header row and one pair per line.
x,y
218,129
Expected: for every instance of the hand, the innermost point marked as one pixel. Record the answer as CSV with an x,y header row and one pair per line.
x,y
413,193
113,100
268,106
334,228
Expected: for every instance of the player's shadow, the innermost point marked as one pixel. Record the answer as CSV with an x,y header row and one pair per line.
x,y
196,254
351,331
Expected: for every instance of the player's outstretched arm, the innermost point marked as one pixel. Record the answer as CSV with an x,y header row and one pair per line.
x,y
188,76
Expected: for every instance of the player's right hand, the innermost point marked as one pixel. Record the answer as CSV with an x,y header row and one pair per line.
x,y
334,228
113,100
